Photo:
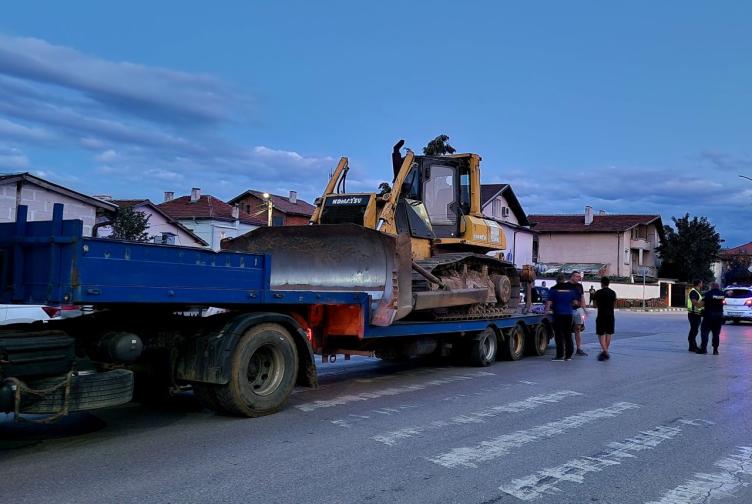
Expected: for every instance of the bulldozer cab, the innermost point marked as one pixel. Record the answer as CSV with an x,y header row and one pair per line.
x,y
442,184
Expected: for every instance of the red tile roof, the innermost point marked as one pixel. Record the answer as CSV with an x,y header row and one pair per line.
x,y
281,203
601,223
146,202
745,249
207,207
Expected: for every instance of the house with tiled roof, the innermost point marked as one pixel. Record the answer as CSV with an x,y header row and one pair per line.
x,y
40,195
208,217
498,202
733,265
624,243
286,210
162,228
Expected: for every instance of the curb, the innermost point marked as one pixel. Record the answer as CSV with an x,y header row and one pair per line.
x,y
652,309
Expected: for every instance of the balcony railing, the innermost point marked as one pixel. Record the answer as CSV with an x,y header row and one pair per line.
x,y
650,271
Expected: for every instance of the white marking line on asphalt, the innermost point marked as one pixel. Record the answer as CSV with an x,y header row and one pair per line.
x,y
545,481
392,391
706,487
470,456
400,374
394,437
348,421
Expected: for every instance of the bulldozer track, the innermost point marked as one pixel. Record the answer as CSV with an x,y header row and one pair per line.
x,y
436,264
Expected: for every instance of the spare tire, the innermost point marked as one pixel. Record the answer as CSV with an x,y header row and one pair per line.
x,y
87,392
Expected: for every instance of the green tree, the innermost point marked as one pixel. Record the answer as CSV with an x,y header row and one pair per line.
x,y
384,188
130,225
688,251
439,146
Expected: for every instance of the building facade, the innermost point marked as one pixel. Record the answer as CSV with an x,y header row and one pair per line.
x,y
625,244
286,211
40,196
498,202
210,218
162,228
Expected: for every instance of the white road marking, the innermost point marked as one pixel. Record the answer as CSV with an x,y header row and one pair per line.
x,y
546,480
391,391
394,437
348,421
704,487
470,456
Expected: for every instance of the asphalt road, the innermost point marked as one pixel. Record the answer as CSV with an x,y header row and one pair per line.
x,y
653,424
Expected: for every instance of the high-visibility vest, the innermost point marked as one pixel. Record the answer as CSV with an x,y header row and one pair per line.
x,y
691,307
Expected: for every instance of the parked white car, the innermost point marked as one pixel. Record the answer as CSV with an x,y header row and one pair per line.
x,y
738,304
25,314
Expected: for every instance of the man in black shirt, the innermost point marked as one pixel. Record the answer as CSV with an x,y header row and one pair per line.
x,y
605,299
712,320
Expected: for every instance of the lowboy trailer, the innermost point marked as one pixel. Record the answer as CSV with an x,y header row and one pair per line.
x,y
244,361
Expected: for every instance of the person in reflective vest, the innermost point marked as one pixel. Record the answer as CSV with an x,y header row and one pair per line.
x,y
694,313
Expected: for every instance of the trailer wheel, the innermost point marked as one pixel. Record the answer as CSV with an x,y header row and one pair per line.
x,y
514,343
537,343
483,348
262,374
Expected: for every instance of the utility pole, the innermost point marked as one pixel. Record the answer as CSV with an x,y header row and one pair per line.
x,y
269,207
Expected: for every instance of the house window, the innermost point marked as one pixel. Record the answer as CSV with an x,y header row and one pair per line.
x,y
168,238
248,209
278,220
496,208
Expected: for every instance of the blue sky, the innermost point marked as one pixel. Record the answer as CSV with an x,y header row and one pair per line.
x,y
638,107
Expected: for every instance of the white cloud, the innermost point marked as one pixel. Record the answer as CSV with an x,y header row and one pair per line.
x,y
12,159
152,92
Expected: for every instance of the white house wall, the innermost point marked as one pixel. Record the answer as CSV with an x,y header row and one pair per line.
x,y
158,225
519,245
214,231
40,202
488,211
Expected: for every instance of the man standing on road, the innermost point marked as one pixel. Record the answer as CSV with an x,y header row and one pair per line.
x,y
694,309
560,299
578,311
592,294
605,299
712,319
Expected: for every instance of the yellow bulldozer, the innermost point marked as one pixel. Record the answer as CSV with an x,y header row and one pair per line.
x,y
422,250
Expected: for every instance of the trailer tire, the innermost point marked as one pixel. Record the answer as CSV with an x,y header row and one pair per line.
x,y
483,348
537,343
263,371
514,343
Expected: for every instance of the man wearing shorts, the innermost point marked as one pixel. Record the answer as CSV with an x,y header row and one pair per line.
x,y
578,312
605,299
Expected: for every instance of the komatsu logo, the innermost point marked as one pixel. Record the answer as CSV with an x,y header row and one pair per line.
x,y
479,237
346,201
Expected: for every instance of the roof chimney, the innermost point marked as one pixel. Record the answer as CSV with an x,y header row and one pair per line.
x,y
601,212
168,195
588,215
195,194
293,197
236,212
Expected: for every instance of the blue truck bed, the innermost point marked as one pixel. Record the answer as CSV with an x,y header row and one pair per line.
x,y
50,262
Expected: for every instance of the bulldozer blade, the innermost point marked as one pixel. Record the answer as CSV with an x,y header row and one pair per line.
x,y
335,257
